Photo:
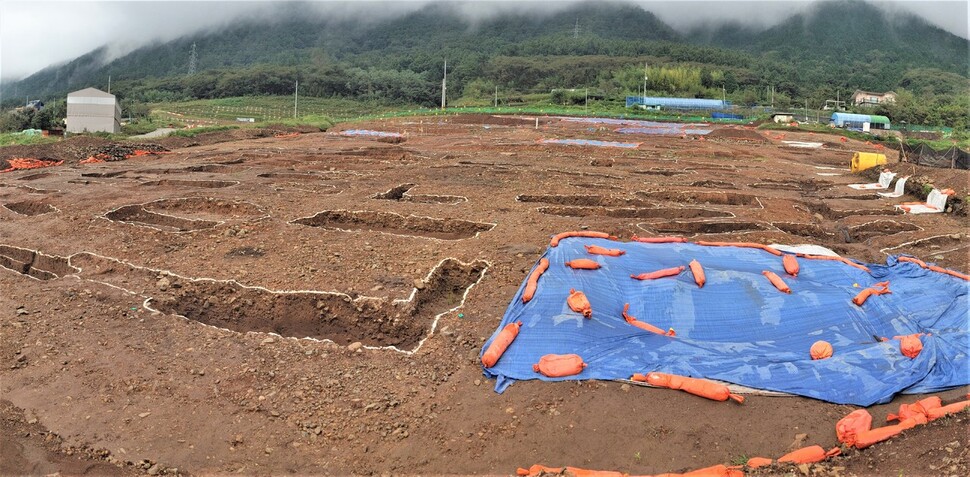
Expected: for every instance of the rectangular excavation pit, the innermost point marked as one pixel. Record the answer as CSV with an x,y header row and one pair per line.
x,y
400,194
880,228
582,200
663,172
705,227
701,197
103,175
804,186
34,264
30,208
33,177
292,176
136,214
323,315
712,184
191,183
635,213
395,224
802,229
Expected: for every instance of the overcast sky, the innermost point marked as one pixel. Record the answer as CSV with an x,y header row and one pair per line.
x,y
38,33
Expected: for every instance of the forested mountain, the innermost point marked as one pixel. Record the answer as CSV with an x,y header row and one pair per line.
x,y
836,46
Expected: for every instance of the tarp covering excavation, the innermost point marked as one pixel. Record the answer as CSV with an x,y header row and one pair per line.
x,y
739,328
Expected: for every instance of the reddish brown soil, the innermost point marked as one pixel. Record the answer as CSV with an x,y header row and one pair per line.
x,y
319,239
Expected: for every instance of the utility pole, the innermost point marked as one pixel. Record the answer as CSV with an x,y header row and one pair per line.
x,y
644,84
496,96
586,105
444,86
296,93
193,59
109,84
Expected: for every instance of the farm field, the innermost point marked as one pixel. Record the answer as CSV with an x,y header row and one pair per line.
x,y
155,310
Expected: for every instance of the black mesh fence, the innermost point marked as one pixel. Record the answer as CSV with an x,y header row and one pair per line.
x,y
923,155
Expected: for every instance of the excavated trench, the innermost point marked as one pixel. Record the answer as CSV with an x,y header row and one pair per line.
x,y
400,194
880,228
802,229
205,208
136,214
395,224
691,197
292,176
663,172
190,183
710,184
34,264
320,315
582,200
704,227
804,186
103,175
634,213
29,207
33,177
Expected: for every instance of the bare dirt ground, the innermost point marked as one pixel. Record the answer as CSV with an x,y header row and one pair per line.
x,y
151,308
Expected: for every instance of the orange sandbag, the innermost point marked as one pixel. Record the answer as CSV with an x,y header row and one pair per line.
x,y
698,271
583,264
934,414
658,239
868,438
741,244
559,365
923,406
777,281
810,454
697,387
756,462
912,260
948,272
667,272
577,302
597,250
719,470
579,233
642,325
851,425
910,345
821,350
836,259
537,469
533,282
501,343
791,264
880,288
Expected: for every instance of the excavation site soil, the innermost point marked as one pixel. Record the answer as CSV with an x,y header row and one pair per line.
x,y
316,303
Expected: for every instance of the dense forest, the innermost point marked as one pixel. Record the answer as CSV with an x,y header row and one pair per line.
x,y
831,50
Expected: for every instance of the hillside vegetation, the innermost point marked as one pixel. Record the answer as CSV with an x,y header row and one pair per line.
x,y
834,49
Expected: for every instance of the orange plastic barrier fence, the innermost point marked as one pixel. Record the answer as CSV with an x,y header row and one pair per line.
x,y
501,343
851,425
643,325
791,264
578,302
880,288
821,350
667,272
697,387
766,248
597,250
583,264
698,271
23,163
810,454
533,282
579,233
836,259
658,239
559,365
719,470
777,281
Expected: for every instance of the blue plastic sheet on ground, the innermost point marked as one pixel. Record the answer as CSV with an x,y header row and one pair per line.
x,y
738,328
629,122
658,131
368,132
590,142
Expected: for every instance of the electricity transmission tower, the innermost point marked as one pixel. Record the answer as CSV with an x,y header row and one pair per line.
x,y
576,29
193,59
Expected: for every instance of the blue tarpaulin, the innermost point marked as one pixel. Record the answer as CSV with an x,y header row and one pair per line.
x,y
368,132
590,142
739,328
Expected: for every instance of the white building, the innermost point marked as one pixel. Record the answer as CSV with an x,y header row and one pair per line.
x,y
93,110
